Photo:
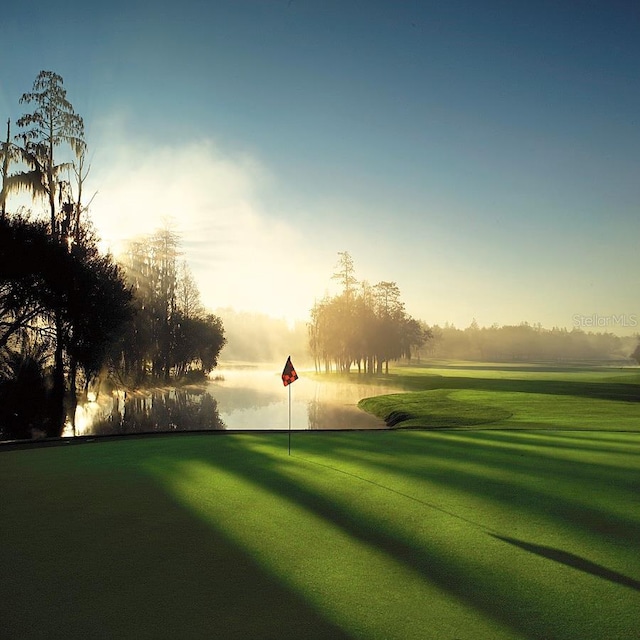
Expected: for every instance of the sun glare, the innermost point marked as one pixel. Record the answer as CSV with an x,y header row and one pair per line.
x,y
240,256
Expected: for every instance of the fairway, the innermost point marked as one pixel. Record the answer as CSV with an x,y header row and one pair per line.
x,y
511,397
392,534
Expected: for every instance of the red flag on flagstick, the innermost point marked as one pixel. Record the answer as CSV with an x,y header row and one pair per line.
x,y
289,374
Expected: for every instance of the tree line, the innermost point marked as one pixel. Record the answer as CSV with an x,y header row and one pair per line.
x,y
523,342
365,326
69,313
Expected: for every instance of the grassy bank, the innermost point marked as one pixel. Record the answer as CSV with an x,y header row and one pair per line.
x,y
393,534
497,396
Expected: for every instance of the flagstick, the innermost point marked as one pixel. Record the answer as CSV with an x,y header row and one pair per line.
x,y
289,419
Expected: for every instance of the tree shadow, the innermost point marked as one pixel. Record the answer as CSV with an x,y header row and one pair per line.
x,y
487,591
509,477
136,564
602,390
535,367
574,561
618,391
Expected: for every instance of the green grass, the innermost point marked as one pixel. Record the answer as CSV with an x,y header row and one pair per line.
x,y
391,534
597,398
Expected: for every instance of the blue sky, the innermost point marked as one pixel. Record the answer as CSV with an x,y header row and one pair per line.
x,y
483,155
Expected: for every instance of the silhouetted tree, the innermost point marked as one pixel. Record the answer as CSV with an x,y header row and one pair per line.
x,y
24,393
26,250
75,301
52,123
97,309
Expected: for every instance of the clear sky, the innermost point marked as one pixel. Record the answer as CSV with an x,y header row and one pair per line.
x,y
483,155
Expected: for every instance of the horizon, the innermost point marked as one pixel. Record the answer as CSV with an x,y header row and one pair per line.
x,y
483,158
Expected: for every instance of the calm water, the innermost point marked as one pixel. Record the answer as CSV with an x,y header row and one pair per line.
x,y
249,399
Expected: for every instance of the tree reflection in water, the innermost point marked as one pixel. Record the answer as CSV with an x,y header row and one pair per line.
x,y
163,410
237,399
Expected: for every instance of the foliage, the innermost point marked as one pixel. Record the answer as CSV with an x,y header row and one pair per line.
x,y
170,333
50,129
24,391
72,300
56,287
367,328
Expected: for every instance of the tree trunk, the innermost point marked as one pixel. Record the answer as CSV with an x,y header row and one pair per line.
x,y
56,409
73,395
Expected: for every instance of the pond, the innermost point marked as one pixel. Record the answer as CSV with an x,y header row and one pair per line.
x,y
236,399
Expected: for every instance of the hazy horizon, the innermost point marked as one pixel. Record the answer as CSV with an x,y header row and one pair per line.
x,y
484,156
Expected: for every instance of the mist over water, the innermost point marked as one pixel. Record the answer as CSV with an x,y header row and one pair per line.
x,y
237,398
257,399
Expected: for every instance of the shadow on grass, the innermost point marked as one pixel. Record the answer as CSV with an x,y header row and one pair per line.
x,y
534,367
619,391
172,569
602,390
574,561
448,573
496,467
114,556
490,593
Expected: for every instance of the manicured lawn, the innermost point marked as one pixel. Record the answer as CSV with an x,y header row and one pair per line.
x,y
528,397
393,534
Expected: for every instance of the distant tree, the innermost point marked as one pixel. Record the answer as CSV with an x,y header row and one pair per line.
x,y
524,342
367,327
170,333
345,274
187,293
257,337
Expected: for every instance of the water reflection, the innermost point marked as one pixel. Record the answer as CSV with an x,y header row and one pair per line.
x,y
190,409
244,399
256,399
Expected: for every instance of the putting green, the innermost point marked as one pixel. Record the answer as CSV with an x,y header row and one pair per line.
x,y
394,534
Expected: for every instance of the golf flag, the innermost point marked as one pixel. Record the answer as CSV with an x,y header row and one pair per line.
x,y
289,374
